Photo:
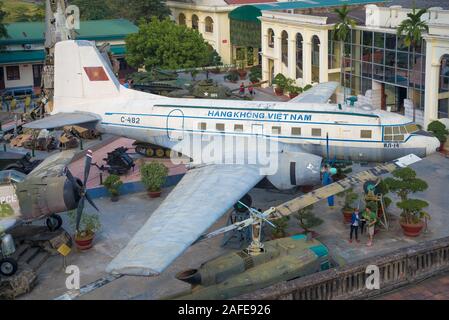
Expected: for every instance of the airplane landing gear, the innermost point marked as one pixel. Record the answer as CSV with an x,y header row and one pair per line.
x,y
8,267
54,222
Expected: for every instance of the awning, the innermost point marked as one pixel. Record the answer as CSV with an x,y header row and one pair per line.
x,y
14,57
119,50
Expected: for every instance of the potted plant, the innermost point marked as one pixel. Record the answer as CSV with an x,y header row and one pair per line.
x,y
279,81
241,70
255,74
349,204
404,182
440,132
153,175
293,91
307,87
89,225
281,228
113,184
307,220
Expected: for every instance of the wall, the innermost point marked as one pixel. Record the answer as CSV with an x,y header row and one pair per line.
x,y
26,77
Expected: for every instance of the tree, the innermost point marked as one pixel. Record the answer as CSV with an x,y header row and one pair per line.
x,y
95,9
340,32
166,45
3,14
141,9
22,13
412,29
307,219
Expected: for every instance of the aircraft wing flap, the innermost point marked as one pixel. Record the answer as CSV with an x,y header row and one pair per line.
x,y
200,199
320,93
60,120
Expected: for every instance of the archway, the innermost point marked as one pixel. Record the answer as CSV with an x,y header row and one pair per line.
x,y
299,55
315,59
209,24
284,47
195,22
182,19
443,88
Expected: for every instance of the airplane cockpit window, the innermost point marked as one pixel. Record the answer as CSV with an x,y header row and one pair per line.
x,y
8,176
394,133
411,128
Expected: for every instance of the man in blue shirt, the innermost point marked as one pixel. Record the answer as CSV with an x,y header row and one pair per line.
x,y
327,179
355,221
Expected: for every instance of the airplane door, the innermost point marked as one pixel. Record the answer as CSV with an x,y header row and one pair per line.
x,y
175,125
257,129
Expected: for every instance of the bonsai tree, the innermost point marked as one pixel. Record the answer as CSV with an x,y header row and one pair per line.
x,y
307,219
153,176
350,197
439,130
255,74
113,184
307,87
280,81
404,182
281,226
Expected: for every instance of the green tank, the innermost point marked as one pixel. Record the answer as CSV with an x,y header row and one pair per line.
x,y
237,273
157,82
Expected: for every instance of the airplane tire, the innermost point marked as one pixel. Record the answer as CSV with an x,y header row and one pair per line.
x,y
8,267
54,222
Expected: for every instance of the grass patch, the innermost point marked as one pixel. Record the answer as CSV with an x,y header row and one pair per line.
x,y
15,8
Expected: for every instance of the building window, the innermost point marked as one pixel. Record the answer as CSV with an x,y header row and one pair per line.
x,y
296,131
284,47
366,134
202,126
182,19
195,22
220,127
271,38
209,25
276,130
316,132
238,128
12,73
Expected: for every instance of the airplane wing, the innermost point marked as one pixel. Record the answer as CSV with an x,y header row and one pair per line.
x,y
60,120
6,224
200,198
54,165
320,93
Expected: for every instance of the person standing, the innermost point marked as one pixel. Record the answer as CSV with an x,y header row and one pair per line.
x,y
355,221
242,89
251,89
327,179
371,219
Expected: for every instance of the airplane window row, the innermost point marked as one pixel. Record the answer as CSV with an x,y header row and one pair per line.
x,y
277,130
397,133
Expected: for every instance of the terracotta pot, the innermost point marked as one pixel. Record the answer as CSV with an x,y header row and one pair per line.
x,y
441,147
279,91
114,198
412,230
84,243
292,95
154,194
347,216
242,74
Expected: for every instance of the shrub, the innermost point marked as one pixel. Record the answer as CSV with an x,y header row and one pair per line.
x,y
307,219
232,76
280,81
153,175
89,223
439,130
113,184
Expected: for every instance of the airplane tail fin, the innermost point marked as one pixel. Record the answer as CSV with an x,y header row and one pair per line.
x,y
81,73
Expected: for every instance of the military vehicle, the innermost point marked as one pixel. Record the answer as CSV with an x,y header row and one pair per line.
x,y
205,89
157,81
118,162
17,161
241,272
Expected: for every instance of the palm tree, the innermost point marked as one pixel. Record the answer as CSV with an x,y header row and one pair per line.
x,y
340,32
412,29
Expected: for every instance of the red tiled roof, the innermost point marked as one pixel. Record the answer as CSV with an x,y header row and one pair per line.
x,y
247,1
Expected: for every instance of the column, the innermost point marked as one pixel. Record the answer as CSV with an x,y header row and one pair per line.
x,y
291,56
324,61
277,54
265,70
307,60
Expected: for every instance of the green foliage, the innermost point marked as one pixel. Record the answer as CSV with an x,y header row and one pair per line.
x,y
89,223
6,210
166,45
3,14
95,9
412,210
153,175
281,227
280,81
350,199
232,76
113,184
307,87
255,74
403,183
343,27
294,89
307,219
413,27
439,130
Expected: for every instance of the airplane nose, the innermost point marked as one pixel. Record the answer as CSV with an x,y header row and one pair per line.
x,y
433,144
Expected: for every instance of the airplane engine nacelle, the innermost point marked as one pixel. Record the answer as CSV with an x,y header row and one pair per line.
x,y
40,197
296,169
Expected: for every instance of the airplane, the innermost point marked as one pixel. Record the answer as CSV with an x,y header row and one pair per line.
x,y
300,134
46,191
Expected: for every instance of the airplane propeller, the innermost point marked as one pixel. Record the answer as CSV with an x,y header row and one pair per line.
x,y
82,189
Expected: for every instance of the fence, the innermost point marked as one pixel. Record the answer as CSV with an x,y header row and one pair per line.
x,y
398,268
